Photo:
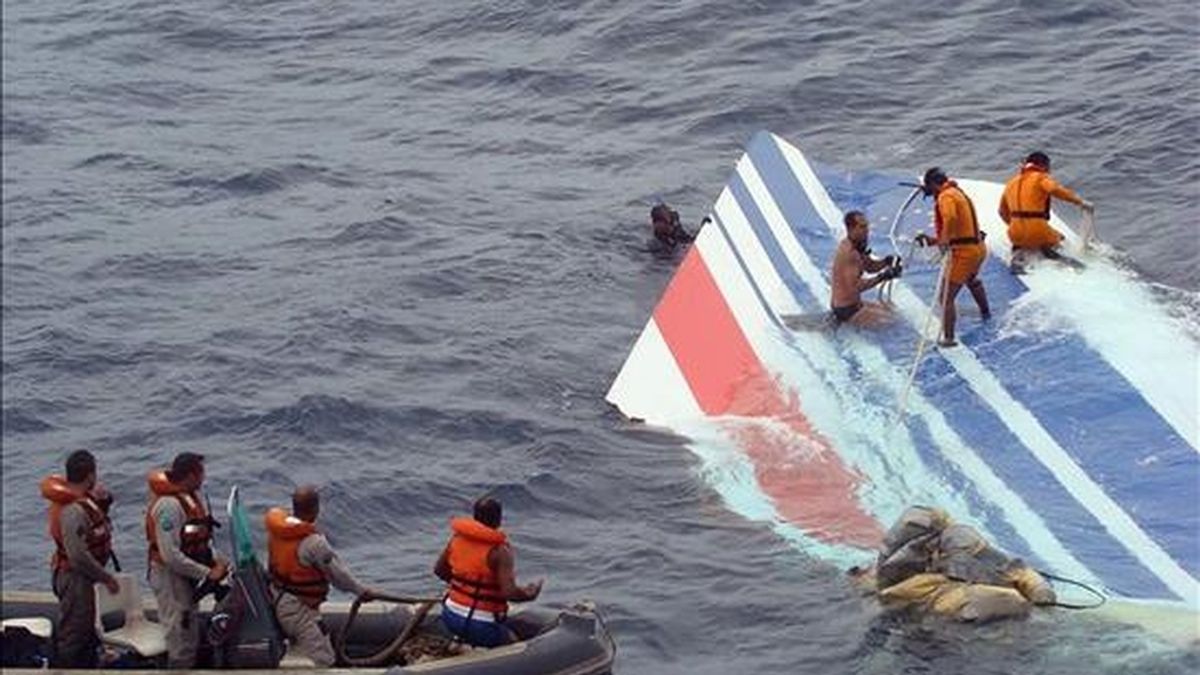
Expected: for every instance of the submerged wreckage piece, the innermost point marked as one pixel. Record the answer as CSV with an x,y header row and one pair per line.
x,y
940,567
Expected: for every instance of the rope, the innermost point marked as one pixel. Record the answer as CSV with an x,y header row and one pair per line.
x,y
406,599
885,289
902,403
1079,584
1089,230
917,190
388,653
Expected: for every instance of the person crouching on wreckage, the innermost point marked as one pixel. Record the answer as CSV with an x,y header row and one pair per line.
x,y
930,563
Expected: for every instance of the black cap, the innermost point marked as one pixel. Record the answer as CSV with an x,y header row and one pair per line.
x,y
934,177
80,465
1039,158
488,511
185,464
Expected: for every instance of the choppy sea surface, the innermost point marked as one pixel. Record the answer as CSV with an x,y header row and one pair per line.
x,y
399,249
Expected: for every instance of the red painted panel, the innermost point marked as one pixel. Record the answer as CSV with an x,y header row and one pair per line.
x,y
794,465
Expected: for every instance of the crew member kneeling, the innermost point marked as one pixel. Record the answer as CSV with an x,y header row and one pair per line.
x,y
479,567
1025,207
302,566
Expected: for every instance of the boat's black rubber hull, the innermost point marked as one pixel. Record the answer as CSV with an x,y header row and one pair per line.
x,y
573,641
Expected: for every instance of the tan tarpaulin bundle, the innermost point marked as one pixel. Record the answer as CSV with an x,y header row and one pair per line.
x,y
948,568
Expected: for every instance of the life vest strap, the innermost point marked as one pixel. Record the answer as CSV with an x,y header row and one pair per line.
x,y
1016,213
303,590
474,582
301,585
964,241
98,538
476,591
311,593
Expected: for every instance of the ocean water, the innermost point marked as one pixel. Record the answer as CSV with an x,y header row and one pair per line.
x,y
400,250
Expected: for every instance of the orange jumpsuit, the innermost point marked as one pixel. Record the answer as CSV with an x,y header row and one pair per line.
x,y
958,228
1025,206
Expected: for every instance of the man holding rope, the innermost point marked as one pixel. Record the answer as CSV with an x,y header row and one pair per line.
x,y
302,567
851,263
957,232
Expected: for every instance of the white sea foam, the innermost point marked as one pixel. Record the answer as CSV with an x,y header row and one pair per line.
x,y
1117,314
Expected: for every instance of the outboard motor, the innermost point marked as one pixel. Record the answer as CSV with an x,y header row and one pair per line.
x,y
25,643
242,631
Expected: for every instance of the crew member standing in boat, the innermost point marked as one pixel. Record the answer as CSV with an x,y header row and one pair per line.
x,y
851,262
179,533
82,537
303,565
479,566
957,230
1025,206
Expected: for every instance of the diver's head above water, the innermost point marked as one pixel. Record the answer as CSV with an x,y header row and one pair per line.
x,y
665,223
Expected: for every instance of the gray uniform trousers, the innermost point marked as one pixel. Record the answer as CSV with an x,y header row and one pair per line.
x,y
177,613
302,625
75,636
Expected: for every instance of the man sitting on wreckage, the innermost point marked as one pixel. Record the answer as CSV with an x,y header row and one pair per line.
x,y
929,562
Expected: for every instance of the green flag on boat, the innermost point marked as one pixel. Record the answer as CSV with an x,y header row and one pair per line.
x,y
239,531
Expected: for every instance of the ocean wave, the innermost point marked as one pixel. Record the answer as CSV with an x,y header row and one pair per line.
x,y
166,268
388,228
400,254
15,129
49,350
16,421
121,161
260,182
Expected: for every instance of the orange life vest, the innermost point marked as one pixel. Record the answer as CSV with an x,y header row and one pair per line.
x,y
60,493
1025,197
959,233
284,536
195,540
472,582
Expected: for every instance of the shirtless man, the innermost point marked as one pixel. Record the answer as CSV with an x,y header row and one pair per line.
x,y
850,263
